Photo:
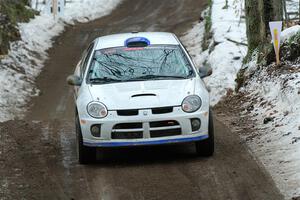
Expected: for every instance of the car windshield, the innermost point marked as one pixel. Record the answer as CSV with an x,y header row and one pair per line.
x,y
123,64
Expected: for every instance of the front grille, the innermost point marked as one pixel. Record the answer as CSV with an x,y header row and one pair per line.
x,y
127,131
165,133
128,112
155,111
164,123
128,126
127,135
162,110
164,128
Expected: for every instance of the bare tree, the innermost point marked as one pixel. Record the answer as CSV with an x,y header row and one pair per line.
x,y
286,16
258,15
255,23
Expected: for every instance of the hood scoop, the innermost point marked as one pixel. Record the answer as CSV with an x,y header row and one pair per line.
x,y
143,95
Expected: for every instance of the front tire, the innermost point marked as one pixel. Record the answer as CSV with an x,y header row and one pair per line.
x,y
206,147
86,155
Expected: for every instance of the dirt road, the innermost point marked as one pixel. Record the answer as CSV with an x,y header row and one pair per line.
x,y
38,155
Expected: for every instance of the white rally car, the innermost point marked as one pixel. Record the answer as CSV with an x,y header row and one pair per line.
x,y
140,89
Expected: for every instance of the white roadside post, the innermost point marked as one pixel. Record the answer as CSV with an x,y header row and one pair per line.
x,y
61,7
275,28
55,8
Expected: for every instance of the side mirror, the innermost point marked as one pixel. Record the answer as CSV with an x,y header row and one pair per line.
x,y
74,80
205,71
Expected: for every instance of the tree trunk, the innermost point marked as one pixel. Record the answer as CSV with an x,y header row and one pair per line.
x,y
277,10
273,10
286,16
258,15
255,24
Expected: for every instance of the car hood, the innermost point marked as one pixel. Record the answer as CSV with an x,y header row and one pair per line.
x,y
142,94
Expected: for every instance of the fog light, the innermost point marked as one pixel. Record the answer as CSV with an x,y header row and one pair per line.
x,y
196,124
96,130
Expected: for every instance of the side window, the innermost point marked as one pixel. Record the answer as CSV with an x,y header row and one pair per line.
x,y
85,59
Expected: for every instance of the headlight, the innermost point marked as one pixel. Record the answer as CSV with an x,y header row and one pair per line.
x,y
191,103
97,110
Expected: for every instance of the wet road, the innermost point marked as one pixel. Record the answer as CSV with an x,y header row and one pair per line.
x,y
44,165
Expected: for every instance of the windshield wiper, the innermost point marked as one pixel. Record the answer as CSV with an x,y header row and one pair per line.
x,y
104,80
140,78
149,77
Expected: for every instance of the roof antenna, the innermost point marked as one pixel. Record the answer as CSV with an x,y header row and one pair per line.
x,y
134,31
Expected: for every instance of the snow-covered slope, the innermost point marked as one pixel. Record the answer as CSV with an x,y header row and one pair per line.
x,y
273,95
227,47
24,62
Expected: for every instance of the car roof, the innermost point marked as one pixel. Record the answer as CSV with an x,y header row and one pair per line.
x,y
118,40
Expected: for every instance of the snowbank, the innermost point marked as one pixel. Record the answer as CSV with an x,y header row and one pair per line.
x,y
24,62
274,93
227,48
274,97
289,32
278,144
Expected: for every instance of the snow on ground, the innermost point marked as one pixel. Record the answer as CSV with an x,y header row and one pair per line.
x,y
277,113
288,33
25,60
224,55
278,144
192,41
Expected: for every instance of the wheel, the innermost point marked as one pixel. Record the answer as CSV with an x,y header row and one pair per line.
x,y
206,147
86,155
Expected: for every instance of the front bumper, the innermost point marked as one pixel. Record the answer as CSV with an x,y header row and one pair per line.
x,y
144,142
145,117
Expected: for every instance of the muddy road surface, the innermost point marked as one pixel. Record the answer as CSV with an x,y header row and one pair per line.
x,y
38,155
